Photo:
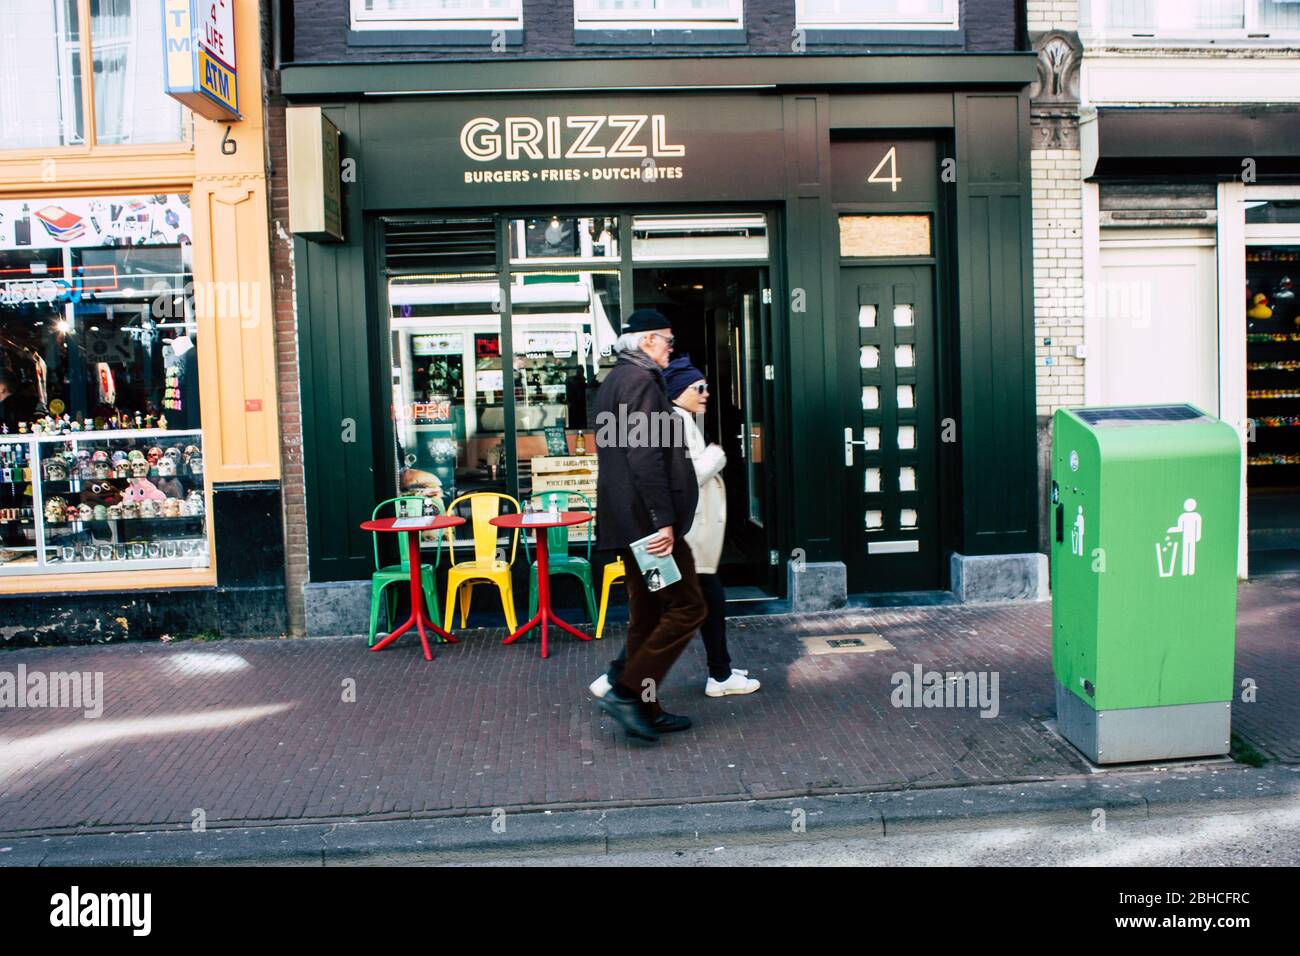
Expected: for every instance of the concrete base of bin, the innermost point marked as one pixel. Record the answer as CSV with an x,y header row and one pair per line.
x,y
1143,733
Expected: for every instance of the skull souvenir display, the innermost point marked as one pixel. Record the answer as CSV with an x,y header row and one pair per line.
x,y
166,467
114,512
85,512
123,470
83,464
101,512
118,457
195,462
103,469
149,508
130,509
194,503
100,455
171,508
139,467
153,455
175,454
56,510
56,470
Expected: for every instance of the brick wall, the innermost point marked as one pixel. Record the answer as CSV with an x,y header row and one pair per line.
x,y
1058,245
286,343
1058,277
321,33
1052,14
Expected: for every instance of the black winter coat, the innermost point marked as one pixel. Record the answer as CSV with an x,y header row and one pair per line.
x,y
645,485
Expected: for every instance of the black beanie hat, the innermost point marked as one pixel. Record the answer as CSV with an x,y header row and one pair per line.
x,y
646,320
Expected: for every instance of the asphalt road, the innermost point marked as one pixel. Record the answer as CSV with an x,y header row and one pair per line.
x,y
1266,838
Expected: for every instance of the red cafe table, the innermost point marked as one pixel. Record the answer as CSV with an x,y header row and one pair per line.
x,y
419,618
541,522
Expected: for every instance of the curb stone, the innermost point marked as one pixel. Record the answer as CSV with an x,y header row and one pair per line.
x,y
1124,795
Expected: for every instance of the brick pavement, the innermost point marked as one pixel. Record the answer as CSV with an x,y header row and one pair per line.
x,y
258,730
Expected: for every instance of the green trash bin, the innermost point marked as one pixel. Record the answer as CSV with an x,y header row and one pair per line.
x,y
1144,580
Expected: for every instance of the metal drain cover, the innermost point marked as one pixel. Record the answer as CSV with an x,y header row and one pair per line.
x,y
846,644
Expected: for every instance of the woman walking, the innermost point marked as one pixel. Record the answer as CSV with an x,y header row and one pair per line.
x,y
689,392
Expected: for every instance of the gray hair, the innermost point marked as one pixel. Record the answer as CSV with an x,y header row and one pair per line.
x,y
629,341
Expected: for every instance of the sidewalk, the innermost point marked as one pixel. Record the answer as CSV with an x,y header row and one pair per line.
x,y
253,732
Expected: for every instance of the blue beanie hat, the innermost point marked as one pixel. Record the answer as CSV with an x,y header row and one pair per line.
x,y
681,375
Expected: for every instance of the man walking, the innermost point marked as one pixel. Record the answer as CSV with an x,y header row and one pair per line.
x,y
646,486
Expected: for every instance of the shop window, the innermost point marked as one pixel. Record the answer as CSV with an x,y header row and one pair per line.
x,y
669,238
658,14
554,239
1138,20
45,87
101,449
877,14
436,14
564,324
448,384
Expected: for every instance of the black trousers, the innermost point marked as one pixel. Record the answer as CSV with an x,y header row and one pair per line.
x,y
713,631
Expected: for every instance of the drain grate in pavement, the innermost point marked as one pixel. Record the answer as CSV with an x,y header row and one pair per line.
x,y
845,644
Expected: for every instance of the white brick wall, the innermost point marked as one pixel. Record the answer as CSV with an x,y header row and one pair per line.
x,y
1058,276
1052,15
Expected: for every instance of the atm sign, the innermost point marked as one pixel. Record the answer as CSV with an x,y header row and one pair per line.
x,y
199,56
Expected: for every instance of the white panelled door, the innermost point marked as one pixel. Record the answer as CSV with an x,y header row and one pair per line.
x,y
1157,328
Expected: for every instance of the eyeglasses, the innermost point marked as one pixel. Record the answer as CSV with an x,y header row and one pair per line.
x,y
701,387
669,340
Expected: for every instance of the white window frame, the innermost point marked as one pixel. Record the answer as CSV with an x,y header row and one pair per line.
x,y
588,17
436,19
947,20
1251,32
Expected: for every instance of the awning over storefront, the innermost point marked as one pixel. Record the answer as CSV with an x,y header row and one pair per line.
x,y
1170,143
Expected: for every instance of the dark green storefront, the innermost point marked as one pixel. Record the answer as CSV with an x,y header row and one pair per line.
x,y
852,232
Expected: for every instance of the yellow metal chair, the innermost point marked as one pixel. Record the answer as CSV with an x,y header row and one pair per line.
x,y
485,567
614,571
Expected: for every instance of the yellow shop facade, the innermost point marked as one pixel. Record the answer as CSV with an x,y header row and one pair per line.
x,y
139,450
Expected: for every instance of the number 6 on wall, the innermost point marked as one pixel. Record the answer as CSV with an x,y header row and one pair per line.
x,y
893,178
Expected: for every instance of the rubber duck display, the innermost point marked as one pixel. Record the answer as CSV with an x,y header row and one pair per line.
x,y
1259,307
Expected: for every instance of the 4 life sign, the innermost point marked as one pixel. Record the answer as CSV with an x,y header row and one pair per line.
x,y
199,56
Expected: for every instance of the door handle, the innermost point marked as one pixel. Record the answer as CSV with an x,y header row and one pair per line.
x,y
849,443
741,439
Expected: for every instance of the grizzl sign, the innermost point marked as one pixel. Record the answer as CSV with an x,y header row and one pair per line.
x,y
589,137
489,151
583,137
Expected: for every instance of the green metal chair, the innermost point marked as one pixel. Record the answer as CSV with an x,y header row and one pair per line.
x,y
559,561
385,576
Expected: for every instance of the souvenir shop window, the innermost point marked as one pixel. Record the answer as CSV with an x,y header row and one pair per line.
x,y
101,453
45,47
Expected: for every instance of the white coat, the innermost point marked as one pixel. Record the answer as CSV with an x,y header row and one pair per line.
x,y
705,536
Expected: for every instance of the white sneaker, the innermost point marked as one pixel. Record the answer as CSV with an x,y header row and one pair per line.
x,y
738,683
600,686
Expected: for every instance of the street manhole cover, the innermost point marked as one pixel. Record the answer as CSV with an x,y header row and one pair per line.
x,y
846,644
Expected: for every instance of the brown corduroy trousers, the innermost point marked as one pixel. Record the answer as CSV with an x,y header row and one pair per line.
x,y
660,625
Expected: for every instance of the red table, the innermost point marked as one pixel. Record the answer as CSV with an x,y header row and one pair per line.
x,y
419,616
561,519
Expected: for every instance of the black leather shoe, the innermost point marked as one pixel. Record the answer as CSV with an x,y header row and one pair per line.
x,y
667,723
629,714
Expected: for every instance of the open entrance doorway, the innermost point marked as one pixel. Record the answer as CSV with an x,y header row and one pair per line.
x,y
721,319
1273,385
